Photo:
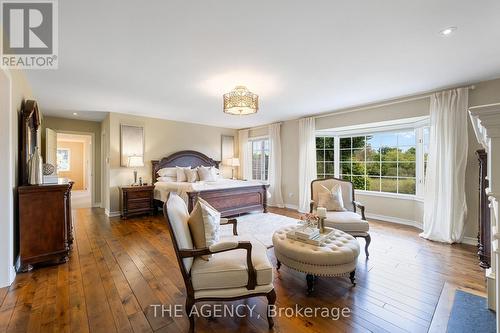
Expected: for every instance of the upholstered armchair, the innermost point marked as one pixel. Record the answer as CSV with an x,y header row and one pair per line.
x,y
237,268
349,221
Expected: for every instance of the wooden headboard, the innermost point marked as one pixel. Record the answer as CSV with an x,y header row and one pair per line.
x,y
183,158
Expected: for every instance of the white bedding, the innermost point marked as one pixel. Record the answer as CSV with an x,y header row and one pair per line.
x,y
162,189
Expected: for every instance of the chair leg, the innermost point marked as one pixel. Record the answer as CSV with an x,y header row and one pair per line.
x,y
189,308
368,240
271,299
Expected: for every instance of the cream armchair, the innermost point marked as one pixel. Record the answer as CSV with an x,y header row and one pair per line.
x,y
230,274
348,221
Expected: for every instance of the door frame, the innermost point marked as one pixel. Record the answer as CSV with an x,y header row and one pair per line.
x,y
93,186
8,184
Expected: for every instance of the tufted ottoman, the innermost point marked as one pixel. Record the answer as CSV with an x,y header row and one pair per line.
x,y
338,256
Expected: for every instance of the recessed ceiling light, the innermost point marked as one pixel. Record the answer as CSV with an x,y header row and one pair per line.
x,y
75,114
448,31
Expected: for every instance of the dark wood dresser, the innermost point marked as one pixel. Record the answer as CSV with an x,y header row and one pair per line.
x,y
484,234
137,200
45,224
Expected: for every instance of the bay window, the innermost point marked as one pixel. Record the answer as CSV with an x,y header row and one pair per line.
x,y
386,161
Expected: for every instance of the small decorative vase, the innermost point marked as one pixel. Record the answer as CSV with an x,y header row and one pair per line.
x,y
35,176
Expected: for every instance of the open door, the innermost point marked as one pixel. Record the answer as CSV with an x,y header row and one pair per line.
x,y
51,147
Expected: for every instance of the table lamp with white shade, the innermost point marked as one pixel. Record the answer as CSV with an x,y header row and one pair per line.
x,y
135,161
232,162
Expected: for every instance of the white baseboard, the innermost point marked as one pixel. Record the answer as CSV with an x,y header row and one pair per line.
x,y
111,214
470,240
393,219
12,274
7,280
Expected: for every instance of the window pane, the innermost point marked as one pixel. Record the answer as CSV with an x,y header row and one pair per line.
x,y
329,155
358,155
389,154
388,185
346,177
373,184
389,169
320,168
358,168
373,169
406,185
374,141
406,169
372,154
358,142
320,155
358,182
388,139
345,155
329,142
320,142
345,168
406,138
345,143
329,168
407,153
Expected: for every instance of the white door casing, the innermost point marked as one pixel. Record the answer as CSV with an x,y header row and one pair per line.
x,y
7,184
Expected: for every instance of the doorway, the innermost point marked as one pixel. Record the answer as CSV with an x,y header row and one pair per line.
x,y
73,156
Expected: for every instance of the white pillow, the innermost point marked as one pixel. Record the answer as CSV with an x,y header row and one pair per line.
x,y
181,174
166,179
208,174
167,172
191,175
204,224
331,199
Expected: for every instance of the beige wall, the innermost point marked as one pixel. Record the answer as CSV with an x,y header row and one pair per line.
x,y
76,170
410,211
66,125
162,138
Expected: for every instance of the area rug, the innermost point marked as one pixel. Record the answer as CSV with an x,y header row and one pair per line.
x,y
470,313
259,226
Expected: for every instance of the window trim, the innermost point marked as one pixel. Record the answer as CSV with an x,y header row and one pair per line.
x,y
416,123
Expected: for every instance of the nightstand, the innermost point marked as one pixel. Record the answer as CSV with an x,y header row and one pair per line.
x,y
137,200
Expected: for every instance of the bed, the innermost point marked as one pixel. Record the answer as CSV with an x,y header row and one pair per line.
x,y
229,197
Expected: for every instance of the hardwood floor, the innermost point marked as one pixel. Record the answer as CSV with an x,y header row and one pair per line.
x,y
118,269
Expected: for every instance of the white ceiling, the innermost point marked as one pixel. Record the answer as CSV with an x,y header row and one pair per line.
x,y
174,59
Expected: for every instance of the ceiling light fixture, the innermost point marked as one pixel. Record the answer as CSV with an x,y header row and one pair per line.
x,y
241,101
448,31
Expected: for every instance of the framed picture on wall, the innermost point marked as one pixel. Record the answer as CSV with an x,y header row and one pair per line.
x,y
131,143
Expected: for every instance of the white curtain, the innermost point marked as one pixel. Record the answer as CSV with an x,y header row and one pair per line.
x,y
275,165
307,161
444,202
244,152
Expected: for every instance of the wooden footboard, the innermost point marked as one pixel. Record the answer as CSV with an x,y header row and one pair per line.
x,y
233,201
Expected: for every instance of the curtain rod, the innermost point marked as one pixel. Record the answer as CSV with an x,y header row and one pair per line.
x,y
389,102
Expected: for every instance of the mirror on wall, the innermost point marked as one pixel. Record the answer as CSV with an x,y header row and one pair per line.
x,y
227,147
131,144
227,153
